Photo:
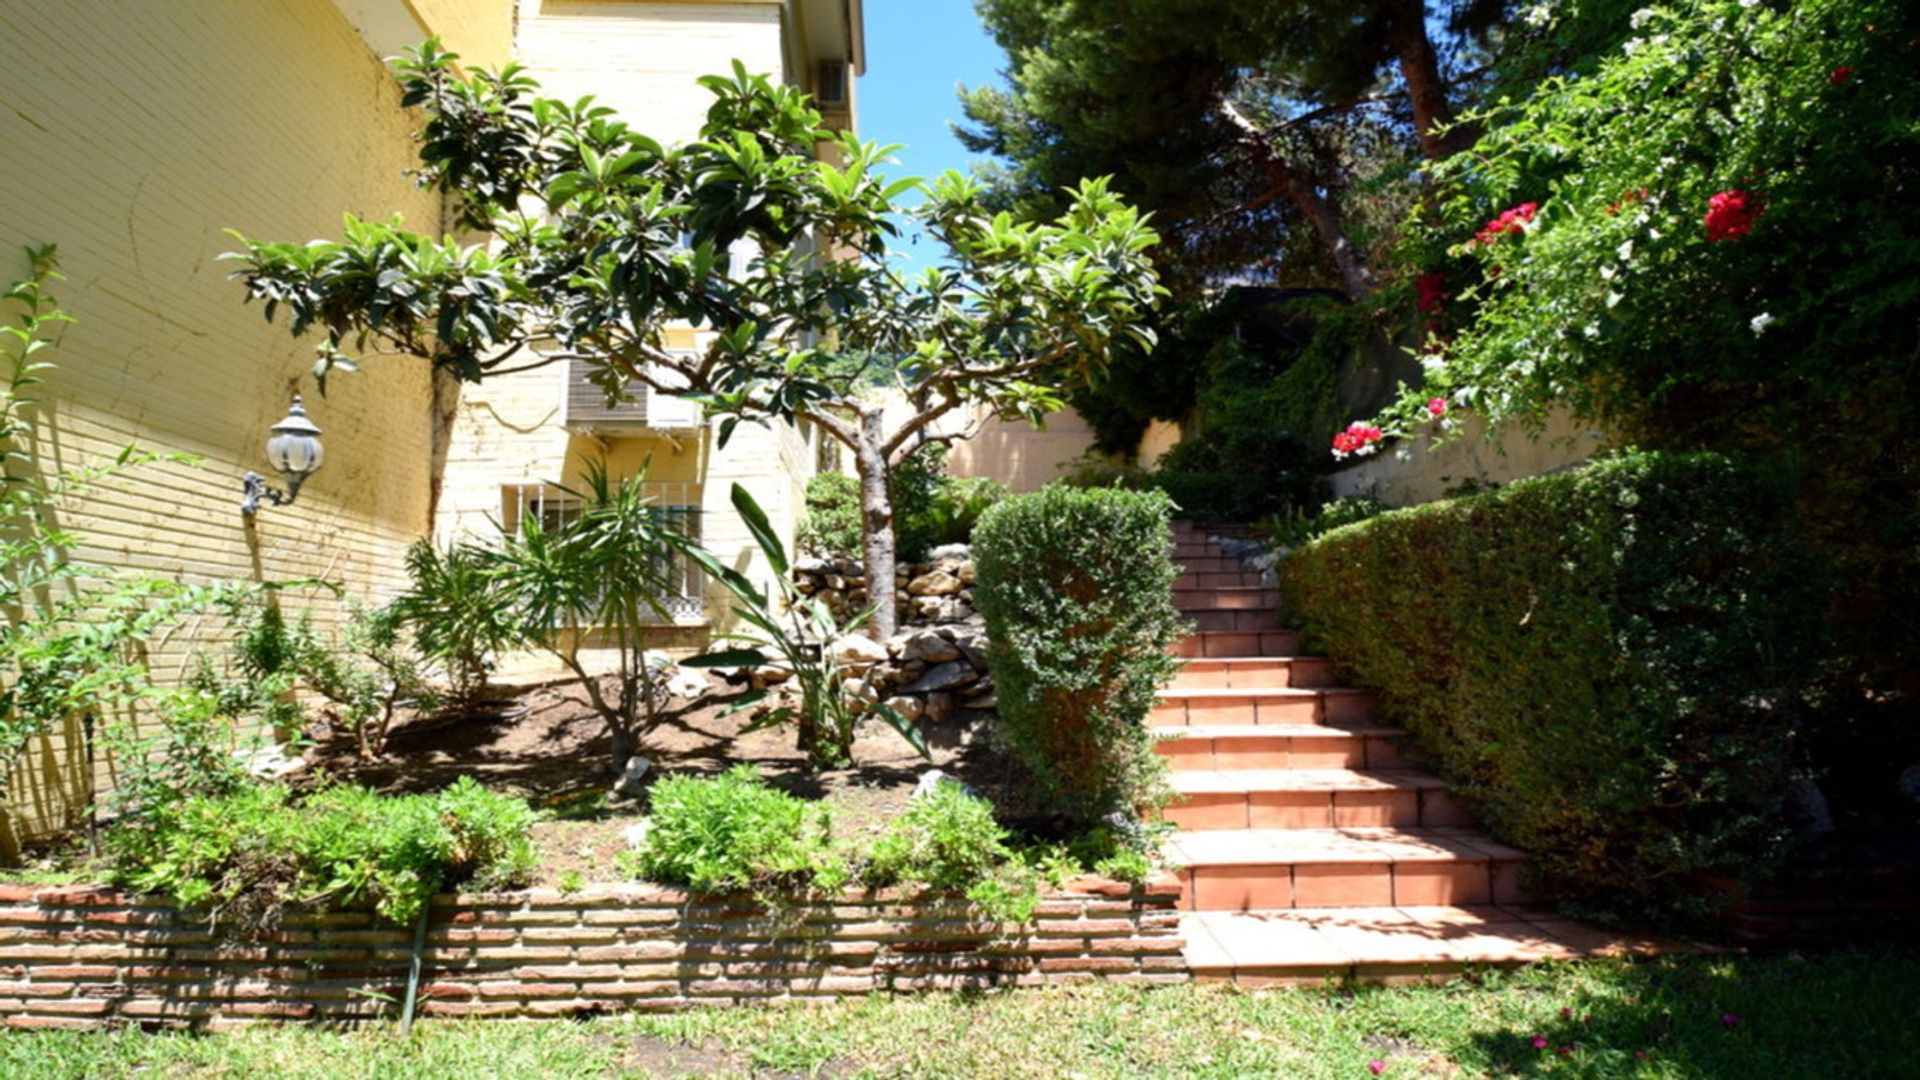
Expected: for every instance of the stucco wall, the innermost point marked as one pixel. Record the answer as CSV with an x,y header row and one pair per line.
x,y
641,59
1423,471
134,133
481,31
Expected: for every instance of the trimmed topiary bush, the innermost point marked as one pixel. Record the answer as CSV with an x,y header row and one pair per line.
x,y
1076,587
1607,663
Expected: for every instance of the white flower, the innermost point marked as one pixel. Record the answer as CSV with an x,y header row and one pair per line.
x,y
1539,15
1760,322
1639,18
1625,250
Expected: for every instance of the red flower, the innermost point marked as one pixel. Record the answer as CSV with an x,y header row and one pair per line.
x,y
1539,1042
1841,76
1357,439
1432,289
1509,221
1729,1019
1376,1066
1731,214
1437,407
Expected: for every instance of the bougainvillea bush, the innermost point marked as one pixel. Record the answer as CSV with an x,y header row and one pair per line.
x,y
1718,210
1694,223
1609,664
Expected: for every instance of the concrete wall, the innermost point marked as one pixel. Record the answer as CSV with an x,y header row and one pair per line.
x,y
134,133
1424,471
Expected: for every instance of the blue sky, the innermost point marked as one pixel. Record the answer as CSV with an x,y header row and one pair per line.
x,y
918,51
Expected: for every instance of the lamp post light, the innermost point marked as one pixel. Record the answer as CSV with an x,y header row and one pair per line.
x,y
294,449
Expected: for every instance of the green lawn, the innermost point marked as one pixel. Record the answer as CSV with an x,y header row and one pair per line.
x,y
1848,1014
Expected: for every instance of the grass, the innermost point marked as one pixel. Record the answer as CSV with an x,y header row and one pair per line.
x,y
1844,1014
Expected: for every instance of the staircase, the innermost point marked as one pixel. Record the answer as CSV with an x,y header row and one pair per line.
x,y
1308,845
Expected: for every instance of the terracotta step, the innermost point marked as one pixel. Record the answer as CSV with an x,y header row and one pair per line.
x,y
1266,642
1235,597
1242,869
1216,579
1214,620
1310,799
1179,706
1386,944
1243,672
1281,746
1214,563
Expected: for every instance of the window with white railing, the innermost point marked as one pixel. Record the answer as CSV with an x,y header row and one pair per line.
x,y
677,504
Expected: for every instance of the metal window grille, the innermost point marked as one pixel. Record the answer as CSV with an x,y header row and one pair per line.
x,y
678,505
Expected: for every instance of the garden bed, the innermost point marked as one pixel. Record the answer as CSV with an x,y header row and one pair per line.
x,y
91,956
543,742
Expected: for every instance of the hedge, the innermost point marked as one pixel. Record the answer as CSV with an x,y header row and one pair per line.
x,y
1076,587
1609,664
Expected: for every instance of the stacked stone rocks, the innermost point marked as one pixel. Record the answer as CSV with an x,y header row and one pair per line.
x,y
935,668
937,591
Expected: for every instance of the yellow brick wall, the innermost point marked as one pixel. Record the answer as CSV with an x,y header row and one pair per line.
x,y
134,133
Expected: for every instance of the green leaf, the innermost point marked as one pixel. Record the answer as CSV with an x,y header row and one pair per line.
x,y
761,528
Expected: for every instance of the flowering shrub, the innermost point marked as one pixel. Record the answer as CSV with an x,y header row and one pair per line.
x,y
1584,657
1726,266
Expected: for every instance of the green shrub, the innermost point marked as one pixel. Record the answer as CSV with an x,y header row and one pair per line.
x,y
831,524
930,508
249,851
948,841
1076,587
732,832
1606,663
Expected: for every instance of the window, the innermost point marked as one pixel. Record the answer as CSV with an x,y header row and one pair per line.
x,y
678,505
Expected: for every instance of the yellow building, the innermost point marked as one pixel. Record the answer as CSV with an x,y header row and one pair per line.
x,y
136,132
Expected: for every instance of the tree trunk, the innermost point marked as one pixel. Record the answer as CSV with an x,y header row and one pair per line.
x,y
876,520
1355,274
1426,89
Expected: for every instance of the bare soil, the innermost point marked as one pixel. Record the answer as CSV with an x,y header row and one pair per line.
x,y
546,743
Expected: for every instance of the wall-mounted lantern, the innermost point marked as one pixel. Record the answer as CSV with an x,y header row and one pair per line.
x,y
294,450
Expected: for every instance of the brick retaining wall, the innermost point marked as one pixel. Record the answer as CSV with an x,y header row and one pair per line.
x,y
89,956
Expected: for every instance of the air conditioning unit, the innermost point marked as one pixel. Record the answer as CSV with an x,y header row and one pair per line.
x,y
830,85
642,407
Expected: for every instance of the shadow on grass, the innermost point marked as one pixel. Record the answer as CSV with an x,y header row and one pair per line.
x,y
1849,1013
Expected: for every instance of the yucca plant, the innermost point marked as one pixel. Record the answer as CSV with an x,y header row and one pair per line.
x,y
794,630
458,614
602,578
